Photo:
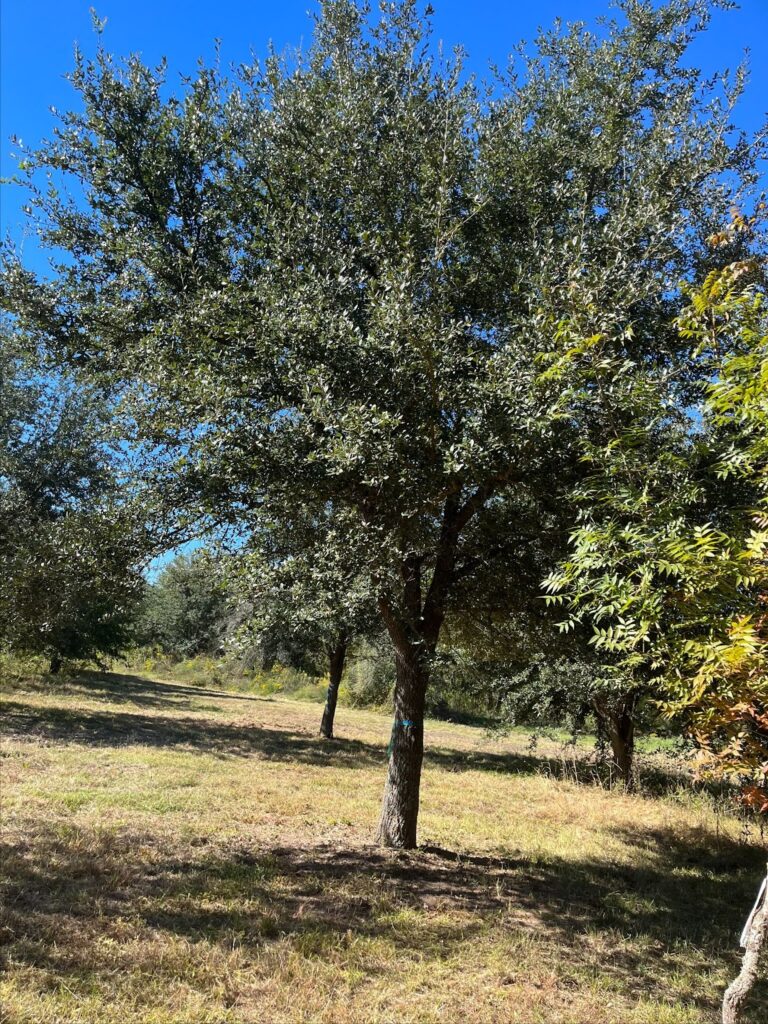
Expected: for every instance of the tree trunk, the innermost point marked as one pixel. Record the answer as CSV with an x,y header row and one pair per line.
x,y
415,631
55,666
753,939
621,733
618,724
400,807
337,658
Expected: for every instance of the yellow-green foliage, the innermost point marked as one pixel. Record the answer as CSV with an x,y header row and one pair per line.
x,y
222,672
669,564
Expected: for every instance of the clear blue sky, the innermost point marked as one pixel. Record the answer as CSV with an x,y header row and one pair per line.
x,y
38,37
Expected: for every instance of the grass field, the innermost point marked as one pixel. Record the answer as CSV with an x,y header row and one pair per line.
x,y
179,854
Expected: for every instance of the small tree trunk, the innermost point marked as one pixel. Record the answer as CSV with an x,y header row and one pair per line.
x,y
337,658
55,666
618,724
621,733
400,807
753,939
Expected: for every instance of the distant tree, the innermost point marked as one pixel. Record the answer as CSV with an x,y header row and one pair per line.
x,y
302,598
70,550
525,671
334,283
184,610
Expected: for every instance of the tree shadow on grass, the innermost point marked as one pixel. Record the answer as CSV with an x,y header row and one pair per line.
x,y
194,734
245,739
125,688
677,909
89,727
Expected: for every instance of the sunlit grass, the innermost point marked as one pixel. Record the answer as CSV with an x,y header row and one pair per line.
x,y
178,854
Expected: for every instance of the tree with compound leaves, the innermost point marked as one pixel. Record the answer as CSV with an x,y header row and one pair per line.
x,y
330,282
670,563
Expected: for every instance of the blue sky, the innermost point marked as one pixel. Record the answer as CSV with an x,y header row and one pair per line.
x,y
38,39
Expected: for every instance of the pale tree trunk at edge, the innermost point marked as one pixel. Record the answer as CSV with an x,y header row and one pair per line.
x,y
753,939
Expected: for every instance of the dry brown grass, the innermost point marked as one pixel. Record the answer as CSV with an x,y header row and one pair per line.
x,y
175,854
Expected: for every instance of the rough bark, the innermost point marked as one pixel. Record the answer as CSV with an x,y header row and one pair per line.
x,y
621,733
414,628
618,724
337,658
55,666
400,807
756,933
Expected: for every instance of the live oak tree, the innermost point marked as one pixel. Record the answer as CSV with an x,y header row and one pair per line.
x,y
184,611
519,661
329,282
299,595
312,628
70,552
569,691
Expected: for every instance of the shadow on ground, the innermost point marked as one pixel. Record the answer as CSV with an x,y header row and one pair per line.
x,y
126,688
70,888
191,733
683,905
167,725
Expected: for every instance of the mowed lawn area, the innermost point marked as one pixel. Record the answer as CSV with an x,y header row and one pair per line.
x,y
183,854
